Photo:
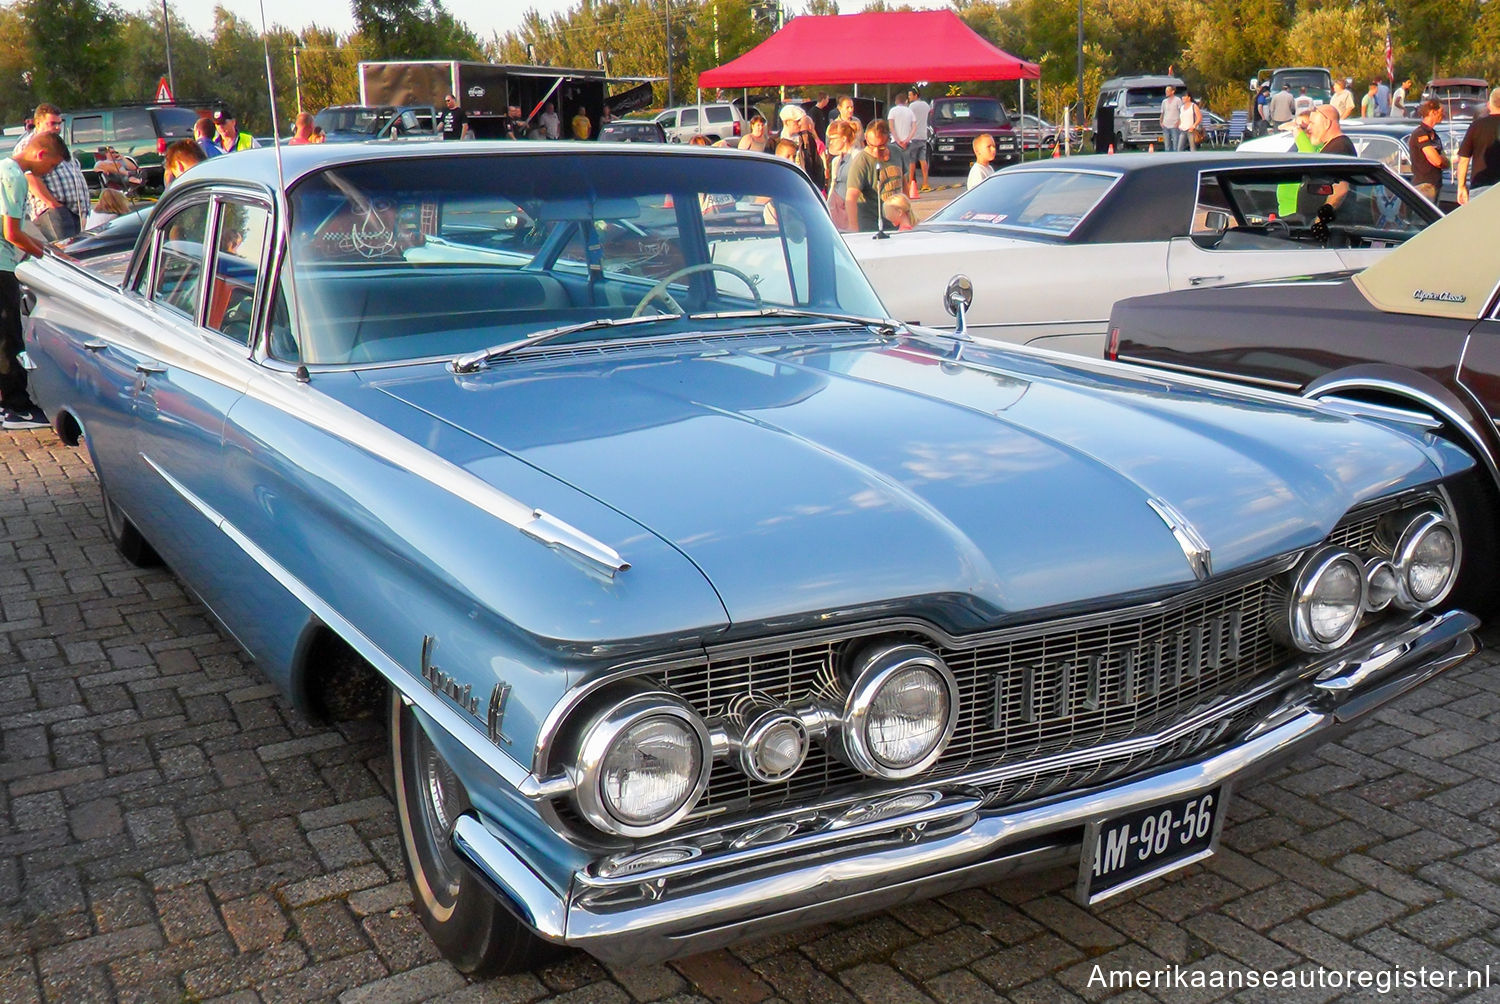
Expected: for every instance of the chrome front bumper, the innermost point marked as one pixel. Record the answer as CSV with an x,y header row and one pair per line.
x,y
946,839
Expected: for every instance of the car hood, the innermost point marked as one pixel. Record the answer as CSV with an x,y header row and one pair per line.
x,y
816,480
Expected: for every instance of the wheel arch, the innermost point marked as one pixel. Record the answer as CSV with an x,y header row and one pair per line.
x,y
69,429
331,681
1455,408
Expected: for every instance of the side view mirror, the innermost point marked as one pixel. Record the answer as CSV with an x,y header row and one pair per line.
x,y
1254,84
1216,221
956,300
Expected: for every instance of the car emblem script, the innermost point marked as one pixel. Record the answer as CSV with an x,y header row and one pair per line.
x,y
461,694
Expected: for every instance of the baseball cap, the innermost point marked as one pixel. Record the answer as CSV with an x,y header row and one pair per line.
x,y
790,113
223,114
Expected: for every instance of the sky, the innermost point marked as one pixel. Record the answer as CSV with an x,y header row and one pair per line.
x,y
484,17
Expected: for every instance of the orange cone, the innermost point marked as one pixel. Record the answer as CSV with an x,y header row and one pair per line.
x,y
1056,151
1111,148
1150,147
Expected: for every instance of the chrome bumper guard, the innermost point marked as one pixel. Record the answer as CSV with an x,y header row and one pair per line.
x,y
925,842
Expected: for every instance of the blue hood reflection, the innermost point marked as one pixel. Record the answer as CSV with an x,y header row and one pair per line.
x,y
865,474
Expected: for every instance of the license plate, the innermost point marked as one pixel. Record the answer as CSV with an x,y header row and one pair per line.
x,y
1122,852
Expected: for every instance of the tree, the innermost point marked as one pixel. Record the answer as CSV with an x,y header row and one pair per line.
x,y
412,29
1347,37
17,98
81,43
1435,34
143,60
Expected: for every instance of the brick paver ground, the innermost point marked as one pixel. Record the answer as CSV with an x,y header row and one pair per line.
x,y
171,831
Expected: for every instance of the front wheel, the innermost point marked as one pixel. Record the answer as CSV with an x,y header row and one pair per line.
x,y
469,926
133,547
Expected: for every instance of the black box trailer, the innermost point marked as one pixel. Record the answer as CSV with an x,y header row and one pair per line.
x,y
486,91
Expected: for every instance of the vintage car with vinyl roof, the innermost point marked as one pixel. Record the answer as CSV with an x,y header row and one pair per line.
x,y
1052,245
703,600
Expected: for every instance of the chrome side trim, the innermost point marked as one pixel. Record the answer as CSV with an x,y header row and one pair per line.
x,y
412,689
1198,371
355,429
1380,412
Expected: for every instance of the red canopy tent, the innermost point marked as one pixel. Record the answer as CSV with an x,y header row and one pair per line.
x,y
886,47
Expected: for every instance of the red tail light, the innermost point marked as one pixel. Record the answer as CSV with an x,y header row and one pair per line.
x,y
161,144
736,127
1112,346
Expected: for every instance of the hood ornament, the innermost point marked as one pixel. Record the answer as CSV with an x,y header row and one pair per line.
x,y
1199,554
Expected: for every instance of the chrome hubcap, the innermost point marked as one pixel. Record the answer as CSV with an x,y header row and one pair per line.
x,y
443,800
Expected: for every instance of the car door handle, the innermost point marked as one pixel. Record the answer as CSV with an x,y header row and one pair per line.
x,y
28,300
96,346
1199,280
149,369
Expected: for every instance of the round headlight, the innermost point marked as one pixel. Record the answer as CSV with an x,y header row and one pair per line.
x,y
1327,600
1426,560
901,711
644,764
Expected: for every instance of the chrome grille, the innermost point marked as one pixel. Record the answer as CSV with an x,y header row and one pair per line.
x,y
1036,691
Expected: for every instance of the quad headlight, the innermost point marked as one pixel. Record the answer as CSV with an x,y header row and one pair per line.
x,y
1328,599
643,764
1415,567
900,712
1426,558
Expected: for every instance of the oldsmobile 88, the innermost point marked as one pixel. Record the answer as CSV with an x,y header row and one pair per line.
x,y
703,600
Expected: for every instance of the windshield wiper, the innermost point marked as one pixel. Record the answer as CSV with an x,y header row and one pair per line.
x,y
471,362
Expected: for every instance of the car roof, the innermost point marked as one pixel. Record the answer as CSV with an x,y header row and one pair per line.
x,y
1458,82
1185,163
1143,81
258,167
1436,272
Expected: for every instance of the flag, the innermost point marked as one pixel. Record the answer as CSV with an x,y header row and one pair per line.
x,y
1390,58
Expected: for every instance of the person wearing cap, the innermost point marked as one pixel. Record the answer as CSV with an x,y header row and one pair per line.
x,y
228,137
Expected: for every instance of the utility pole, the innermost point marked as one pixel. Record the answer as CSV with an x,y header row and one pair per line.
x,y
166,27
671,98
297,71
1081,109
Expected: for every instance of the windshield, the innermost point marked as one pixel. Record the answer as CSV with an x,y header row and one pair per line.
x,y
360,120
422,257
970,110
1044,202
1318,83
1147,97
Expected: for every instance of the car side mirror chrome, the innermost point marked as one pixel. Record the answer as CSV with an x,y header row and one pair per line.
x,y
956,300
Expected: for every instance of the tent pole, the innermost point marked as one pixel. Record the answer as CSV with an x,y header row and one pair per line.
x,y
1022,82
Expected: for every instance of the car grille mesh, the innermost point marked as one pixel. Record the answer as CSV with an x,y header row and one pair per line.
x,y
1034,692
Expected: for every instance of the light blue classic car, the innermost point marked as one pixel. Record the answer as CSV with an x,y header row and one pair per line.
x,y
702,600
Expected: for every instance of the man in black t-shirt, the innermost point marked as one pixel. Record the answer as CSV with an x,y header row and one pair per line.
x,y
1481,145
454,123
1427,157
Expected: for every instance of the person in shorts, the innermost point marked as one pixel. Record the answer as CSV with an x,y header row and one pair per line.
x,y
918,153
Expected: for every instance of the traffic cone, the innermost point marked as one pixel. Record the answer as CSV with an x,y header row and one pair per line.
x,y
1150,147
1111,148
1056,151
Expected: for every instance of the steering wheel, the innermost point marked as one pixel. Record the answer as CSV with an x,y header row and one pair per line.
x,y
660,289
1278,228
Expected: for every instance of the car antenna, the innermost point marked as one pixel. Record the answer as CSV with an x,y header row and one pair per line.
x,y
295,304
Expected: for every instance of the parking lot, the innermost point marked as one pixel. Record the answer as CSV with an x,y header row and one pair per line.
x,y
170,830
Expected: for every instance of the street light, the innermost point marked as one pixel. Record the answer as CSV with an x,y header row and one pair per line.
x,y
297,71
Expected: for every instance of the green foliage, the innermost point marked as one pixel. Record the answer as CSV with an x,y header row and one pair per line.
x,y
75,53
79,45
412,29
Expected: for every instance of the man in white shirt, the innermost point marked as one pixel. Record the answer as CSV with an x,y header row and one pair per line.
x,y
903,128
1171,113
918,154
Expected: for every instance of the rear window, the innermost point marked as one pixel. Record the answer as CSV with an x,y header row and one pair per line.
x,y
175,123
1047,202
88,129
133,125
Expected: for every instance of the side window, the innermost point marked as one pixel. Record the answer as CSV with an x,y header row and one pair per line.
x,y
87,129
179,266
720,113
1211,213
133,125
242,236
688,117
